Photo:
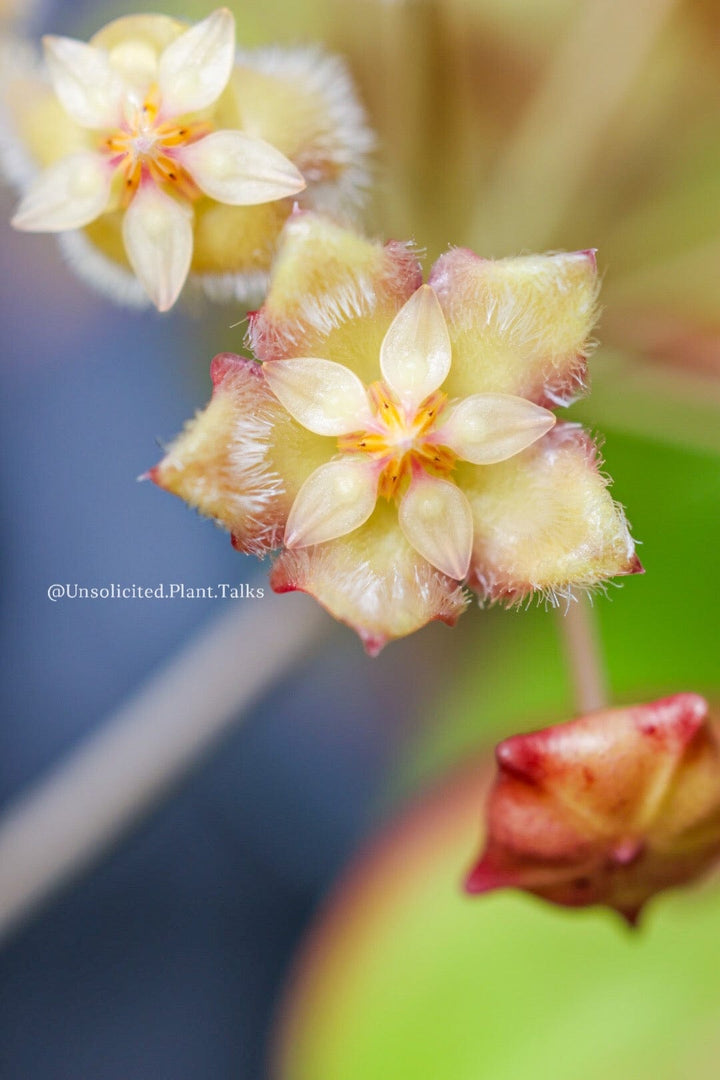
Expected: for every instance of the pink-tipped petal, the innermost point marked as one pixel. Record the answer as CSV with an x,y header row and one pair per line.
x,y
222,463
194,69
373,580
335,499
324,397
333,295
545,522
436,519
86,84
415,355
158,237
487,428
519,325
68,195
235,168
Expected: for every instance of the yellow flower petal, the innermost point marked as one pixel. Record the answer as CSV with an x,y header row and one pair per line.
x,y
487,428
520,325
415,354
436,519
335,499
545,522
373,580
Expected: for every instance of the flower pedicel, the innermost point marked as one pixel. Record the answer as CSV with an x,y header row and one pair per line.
x,y
176,156
397,438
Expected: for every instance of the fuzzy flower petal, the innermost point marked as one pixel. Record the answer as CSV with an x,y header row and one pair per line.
x,y
437,520
607,809
374,580
157,231
222,463
545,522
194,70
88,87
239,170
487,428
333,292
68,195
519,325
415,354
334,500
323,396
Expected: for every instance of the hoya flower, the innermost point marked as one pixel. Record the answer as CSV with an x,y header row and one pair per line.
x,y
608,809
396,439
174,156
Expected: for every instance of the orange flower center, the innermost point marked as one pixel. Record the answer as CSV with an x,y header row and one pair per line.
x,y
401,441
142,146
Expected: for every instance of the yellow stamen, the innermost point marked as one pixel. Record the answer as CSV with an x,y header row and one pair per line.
x,y
401,441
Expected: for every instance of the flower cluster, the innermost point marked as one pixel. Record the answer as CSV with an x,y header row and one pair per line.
x,y
608,809
174,155
397,438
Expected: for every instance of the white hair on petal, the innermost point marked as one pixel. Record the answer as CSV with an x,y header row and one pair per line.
x,y
348,140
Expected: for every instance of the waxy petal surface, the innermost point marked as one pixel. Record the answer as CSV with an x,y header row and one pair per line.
x,y
235,168
437,520
68,195
194,70
610,808
335,499
158,237
487,428
222,463
545,522
373,580
333,295
88,87
519,325
324,397
415,355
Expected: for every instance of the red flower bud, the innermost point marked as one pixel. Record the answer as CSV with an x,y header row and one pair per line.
x,y
608,809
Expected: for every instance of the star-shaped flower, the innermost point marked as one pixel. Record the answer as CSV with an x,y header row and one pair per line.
x,y
156,132
397,438
400,439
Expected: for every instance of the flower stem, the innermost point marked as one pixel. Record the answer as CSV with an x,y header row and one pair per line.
x,y
71,816
583,650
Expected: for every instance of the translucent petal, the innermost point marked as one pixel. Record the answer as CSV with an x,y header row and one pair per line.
x,y
235,168
194,70
486,428
157,232
415,354
321,273
68,195
372,579
323,396
334,500
437,520
84,81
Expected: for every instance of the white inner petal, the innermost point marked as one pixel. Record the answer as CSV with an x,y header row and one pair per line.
x,y
158,236
436,518
240,170
84,81
334,500
486,428
68,195
194,69
136,62
323,396
416,353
